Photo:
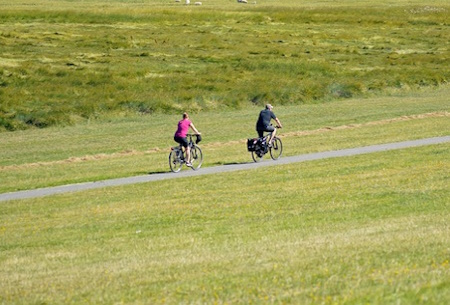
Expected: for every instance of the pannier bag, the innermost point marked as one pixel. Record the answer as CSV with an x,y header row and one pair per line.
x,y
251,144
261,145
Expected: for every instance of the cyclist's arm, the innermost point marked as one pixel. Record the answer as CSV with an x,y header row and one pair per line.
x,y
278,123
194,129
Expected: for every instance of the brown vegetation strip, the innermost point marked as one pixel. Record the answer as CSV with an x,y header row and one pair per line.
x,y
128,152
289,134
374,123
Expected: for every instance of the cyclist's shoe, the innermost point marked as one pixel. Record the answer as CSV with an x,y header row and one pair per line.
x,y
188,164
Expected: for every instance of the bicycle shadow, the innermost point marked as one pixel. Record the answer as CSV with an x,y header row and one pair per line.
x,y
159,172
232,163
155,172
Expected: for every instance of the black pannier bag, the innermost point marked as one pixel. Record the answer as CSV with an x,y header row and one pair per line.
x,y
251,144
261,145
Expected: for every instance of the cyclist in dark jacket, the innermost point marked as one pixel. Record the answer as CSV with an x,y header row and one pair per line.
x,y
263,123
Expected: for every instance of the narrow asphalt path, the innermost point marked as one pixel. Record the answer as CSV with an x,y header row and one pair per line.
x,y
219,169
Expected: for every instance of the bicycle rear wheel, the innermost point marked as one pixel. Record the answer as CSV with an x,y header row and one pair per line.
x,y
175,161
257,156
196,157
277,148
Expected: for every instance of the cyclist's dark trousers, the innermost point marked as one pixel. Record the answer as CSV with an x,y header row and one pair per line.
x,y
182,141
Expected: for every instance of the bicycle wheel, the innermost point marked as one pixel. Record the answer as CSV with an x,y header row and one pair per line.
x,y
257,156
276,149
196,157
174,161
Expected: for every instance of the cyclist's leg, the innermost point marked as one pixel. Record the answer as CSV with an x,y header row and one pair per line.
x,y
273,132
184,143
260,133
188,154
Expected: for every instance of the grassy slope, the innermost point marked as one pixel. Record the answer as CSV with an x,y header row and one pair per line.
x,y
65,63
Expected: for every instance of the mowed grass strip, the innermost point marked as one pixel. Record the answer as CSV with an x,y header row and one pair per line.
x,y
364,229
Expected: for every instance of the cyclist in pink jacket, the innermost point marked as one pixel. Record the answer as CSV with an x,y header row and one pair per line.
x,y
180,135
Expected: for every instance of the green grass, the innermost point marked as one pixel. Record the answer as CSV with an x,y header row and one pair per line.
x,y
67,62
110,79
366,229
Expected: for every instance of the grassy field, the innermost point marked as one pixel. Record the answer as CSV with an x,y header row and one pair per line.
x,y
109,80
63,62
368,229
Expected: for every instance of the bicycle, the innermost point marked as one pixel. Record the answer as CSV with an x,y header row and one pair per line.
x,y
177,155
259,147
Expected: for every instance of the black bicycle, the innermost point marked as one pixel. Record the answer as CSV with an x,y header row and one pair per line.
x,y
260,146
177,155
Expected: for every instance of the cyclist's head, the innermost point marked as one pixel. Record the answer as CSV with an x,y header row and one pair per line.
x,y
185,115
268,106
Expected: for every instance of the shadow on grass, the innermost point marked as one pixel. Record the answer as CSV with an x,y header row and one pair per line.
x,y
231,163
209,165
154,172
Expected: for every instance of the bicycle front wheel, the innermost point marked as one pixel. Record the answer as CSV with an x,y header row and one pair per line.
x,y
277,148
196,157
174,161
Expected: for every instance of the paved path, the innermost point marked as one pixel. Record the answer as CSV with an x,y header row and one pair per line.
x,y
218,169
